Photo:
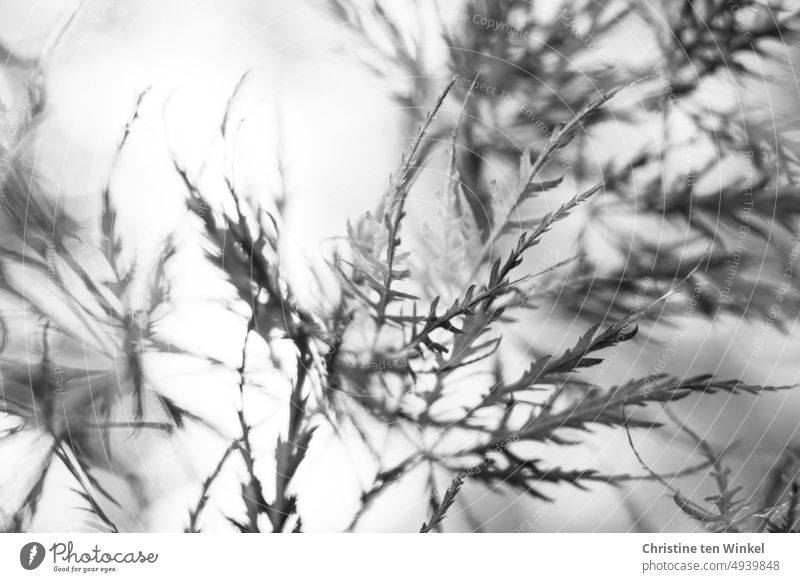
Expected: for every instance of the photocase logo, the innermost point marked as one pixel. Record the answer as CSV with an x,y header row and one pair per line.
x,y
31,555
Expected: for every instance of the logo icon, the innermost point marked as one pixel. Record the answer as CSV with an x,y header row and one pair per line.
x,y
31,555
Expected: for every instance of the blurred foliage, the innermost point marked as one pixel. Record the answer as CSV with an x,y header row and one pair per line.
x,y
404,347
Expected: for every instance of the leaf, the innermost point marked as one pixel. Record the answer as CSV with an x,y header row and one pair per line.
x,y
447,502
